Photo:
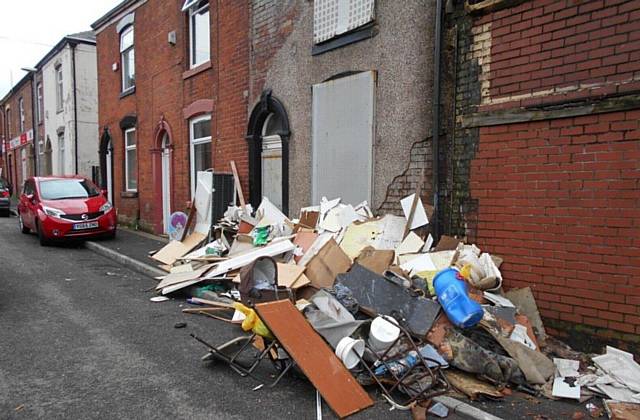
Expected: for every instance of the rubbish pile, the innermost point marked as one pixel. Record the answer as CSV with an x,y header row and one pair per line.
x,y
374,302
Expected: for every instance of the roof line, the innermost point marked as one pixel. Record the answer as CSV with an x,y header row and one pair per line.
x,y
111,13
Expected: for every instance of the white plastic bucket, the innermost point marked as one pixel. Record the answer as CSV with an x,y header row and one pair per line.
x,y
348,351
383,333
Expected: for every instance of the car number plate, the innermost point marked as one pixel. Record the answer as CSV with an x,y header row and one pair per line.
x,y
88,225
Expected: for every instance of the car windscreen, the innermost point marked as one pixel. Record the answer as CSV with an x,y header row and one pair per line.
x,y
60,189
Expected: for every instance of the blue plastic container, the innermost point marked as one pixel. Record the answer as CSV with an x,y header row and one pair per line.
x,y
453,295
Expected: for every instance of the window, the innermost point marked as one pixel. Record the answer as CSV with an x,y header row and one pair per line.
x,y
200,135
199,38
332,18
60,189
61,153
127,59
130,160
39,104
21,108
59,94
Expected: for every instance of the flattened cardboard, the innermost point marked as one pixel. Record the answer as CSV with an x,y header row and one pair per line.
x,y
315,358
323,268
175,278
289,276
375,260
523,300
304,240
447,243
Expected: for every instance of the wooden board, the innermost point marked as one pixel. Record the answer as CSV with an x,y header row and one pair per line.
x,y
170,253
317,360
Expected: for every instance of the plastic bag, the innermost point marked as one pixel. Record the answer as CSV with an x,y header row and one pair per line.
x,y
252,322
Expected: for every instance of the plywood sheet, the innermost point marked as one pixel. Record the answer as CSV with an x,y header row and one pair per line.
x,y
170,252
315,358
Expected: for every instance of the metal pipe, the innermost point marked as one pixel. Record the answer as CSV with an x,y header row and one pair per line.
x,y
75,106
33,123
435,139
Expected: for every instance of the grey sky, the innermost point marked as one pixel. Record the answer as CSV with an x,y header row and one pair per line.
x,y
30,28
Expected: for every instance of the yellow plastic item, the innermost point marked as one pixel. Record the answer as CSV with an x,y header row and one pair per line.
x,y
466,271
252,322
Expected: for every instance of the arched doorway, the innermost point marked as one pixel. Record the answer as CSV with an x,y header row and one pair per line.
x,y
268,136
106,163
162,157
48,164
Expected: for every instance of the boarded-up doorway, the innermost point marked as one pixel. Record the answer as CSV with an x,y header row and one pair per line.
x,y
342,138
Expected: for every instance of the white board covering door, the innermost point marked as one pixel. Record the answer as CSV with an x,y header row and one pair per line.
x,y
342,138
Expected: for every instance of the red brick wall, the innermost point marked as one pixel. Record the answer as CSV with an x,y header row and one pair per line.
x,y
231,115
24,92
164,89
557,50
560,201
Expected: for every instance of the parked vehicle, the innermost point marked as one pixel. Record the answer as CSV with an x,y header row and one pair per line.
x,y
65,208
5,197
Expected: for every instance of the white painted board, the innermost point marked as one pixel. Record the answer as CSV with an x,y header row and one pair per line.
x,y
342,138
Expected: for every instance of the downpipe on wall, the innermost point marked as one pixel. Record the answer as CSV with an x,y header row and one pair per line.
x,y
436,120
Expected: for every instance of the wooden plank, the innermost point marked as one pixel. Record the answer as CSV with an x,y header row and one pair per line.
x,y
317,360
192,214
236,180
552,111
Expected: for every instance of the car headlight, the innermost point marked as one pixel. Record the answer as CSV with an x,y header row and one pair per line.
x,y
50,211
106,207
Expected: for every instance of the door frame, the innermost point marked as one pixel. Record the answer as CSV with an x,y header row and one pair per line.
x,y
166,181
267,105
162,131
106,164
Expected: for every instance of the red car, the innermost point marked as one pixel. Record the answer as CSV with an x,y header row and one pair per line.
x,y
64,208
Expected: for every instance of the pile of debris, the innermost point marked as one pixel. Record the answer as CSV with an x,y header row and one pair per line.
x,y
374,302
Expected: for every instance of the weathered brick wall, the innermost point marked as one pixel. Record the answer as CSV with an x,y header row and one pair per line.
x,y
556,196
418,170
16,174
272,21
232,62
559,201
548,51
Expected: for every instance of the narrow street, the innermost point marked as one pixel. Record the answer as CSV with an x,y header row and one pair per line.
x,y
79,338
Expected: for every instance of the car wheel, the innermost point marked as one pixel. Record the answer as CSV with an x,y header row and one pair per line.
x,y
43,239
23,228
111,235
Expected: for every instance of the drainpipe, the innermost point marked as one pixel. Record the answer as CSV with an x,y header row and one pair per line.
x,y
34,127
75,106
436,121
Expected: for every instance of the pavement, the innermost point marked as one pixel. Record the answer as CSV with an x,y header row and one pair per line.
x,y
86,342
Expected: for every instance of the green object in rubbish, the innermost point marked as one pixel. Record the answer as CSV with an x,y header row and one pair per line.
x,y
261,236
212,251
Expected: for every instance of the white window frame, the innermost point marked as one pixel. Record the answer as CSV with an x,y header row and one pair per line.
x,y
59,86
125,51
191,5
192,143
128,148
61,156
39,99
21,108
